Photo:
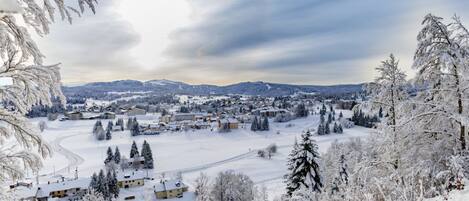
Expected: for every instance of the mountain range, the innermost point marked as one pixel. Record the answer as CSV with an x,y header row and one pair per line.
x,y
243,88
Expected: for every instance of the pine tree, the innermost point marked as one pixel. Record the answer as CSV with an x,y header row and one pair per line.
x,y
265,124
96,126
112,187
341,115
129,123
321,119
102,184
108,134
147,155
254,125
109,125
340,130
117,156
110,156
327,129
94,181
301,111
329,118
135,130
320,130
303,166
335,128
134,150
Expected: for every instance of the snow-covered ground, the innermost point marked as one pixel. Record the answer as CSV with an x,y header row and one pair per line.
x,y
188,152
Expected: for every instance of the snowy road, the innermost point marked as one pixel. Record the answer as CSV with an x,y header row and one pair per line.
x,y
73,159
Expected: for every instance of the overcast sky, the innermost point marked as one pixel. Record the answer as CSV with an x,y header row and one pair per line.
x,y
227,41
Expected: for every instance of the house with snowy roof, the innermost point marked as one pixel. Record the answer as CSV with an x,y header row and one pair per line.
x,y
230,123
128,180
168,189
70,189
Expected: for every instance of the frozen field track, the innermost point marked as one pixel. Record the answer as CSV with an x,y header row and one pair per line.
x,y
74,160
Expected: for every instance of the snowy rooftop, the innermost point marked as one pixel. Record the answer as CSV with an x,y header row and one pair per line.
x,y
229,120
126,176
169,185
43,190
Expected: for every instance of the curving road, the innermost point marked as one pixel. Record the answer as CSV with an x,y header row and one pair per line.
x,y
74,160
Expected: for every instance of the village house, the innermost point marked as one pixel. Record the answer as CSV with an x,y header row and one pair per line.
x,y
183,117
108,115
170,189
135,111
70,189
268,112
230,123
130,180
75,115
165,118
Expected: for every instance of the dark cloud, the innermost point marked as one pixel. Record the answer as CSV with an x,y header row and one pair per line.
x,y
276,36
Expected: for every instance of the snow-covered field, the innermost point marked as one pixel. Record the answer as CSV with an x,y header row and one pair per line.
x,y
188,152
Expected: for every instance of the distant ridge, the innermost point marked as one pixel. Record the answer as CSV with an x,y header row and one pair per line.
x,y
175,87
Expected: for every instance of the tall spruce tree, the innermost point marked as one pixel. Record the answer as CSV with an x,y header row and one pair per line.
x,y
117,156
134,150
265,124
108,134
111,182
254,126
94,181
102,184
303,166
147,155
110,156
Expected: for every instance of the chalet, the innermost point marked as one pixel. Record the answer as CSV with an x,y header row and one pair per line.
x,y
183,117
130,180
268,112
165,118
136,161
230,123
199,125
75,115
170,189
108,115
70,189
135,111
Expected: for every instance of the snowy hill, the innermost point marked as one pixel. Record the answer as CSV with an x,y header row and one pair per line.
x,y
244,88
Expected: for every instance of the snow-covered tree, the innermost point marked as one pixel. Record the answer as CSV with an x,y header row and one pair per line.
x,y
202,188
261,194
301,111
147,155
117,156
441,61
254,124
134,150
303,166
265,124
101,185
108,134
94,181
388,92
96,126
110,156
42,125
92,195
111,181
32,82
232,186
